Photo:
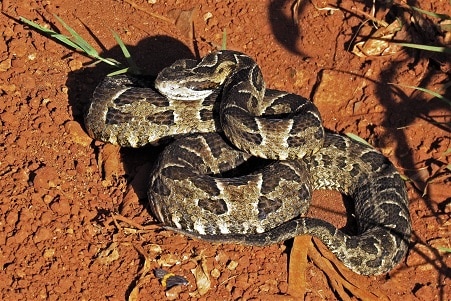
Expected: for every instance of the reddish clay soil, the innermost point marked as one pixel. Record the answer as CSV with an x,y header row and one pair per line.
x,y
73,211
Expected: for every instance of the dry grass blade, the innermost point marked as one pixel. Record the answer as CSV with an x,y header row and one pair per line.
x,y
346,283
136,6
340,277
298,265
201,274
144,275
134,226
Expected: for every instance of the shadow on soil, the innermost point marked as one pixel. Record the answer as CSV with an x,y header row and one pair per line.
x,y
151,55
402,109
283,27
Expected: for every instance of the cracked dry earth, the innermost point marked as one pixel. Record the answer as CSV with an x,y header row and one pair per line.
x,y
73,217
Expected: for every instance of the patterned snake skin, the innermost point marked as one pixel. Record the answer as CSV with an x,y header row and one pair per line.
x,y
209,183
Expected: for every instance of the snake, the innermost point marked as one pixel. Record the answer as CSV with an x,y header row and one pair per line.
x,y
241,161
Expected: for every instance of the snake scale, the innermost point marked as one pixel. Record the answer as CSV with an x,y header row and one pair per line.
x,y
223,118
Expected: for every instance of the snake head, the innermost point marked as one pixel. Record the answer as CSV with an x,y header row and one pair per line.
x,y
185,91
192,80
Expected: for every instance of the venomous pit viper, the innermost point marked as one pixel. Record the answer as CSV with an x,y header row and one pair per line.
x,y
223,117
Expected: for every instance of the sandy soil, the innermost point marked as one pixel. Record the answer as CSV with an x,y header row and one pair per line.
x,y
72,210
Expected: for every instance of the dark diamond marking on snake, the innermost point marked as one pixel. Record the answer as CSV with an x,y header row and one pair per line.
x,y
123,100
269,183
341,162
257,79
338,143
217,206
295,140
115,116
205,114
266,206
165,118
275,173
191,158
206,184
355,170
375,159
214,145
159,187
177,172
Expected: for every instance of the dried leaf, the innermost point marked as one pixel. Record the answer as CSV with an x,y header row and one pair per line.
x,y
173,293
379,42
232,265
168,260
202,277
184,20
344,281
143,274
108,255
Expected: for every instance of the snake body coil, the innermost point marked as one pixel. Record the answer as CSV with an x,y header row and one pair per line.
x,y
223,116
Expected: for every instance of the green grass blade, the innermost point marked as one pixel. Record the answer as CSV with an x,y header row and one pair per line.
x,y
435,94
75,42
52,34
120,71
224,39
444,249
133,67
358,139
77,39
85,46
426,47
431,14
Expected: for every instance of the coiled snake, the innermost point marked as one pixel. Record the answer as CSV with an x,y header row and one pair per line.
x,y
223,117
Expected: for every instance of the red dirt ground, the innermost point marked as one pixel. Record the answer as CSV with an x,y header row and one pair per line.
x,y
65,198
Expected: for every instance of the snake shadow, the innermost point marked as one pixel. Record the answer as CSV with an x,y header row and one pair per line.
x,y
401,109
151,54
284,29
